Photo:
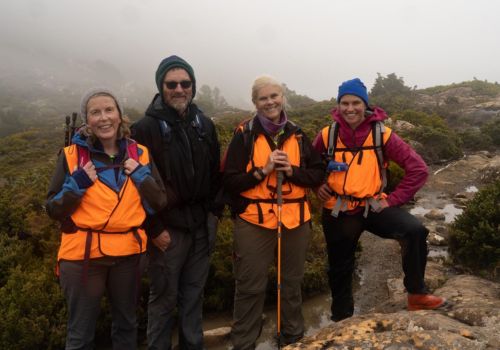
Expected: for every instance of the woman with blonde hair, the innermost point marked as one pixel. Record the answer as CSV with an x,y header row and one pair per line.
x,y
261,148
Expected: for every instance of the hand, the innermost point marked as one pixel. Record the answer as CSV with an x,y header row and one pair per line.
x,y
278,160
162,241
282,163
323,192
89,169
130,165
382,204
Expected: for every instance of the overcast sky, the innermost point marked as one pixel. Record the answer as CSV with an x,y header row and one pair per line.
x,y
312,45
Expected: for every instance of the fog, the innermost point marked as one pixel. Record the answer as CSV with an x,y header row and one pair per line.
x,y
312,46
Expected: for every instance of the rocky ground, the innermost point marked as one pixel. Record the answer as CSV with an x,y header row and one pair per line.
x,y
471,321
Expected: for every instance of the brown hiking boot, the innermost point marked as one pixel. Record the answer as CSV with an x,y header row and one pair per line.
x,y
424,302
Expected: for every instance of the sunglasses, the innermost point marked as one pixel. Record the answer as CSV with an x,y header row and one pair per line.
x,y
172,85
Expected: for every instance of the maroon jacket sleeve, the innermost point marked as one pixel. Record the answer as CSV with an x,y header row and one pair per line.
x,y
416,171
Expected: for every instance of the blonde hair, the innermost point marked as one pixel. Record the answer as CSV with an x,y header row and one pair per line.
x,y
264,80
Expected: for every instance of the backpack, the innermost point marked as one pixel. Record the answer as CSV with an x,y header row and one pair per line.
x,y
378,129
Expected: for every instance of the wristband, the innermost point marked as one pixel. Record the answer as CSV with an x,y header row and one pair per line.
x,y
261,173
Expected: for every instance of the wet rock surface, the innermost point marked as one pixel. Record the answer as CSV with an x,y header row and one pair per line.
x,y
472,318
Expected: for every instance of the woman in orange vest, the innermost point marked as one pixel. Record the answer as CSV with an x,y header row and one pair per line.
x,y
261,147
354,200
103,187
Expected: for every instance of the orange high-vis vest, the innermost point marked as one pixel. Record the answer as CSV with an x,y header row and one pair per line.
x,y
263,208
108,222
362,180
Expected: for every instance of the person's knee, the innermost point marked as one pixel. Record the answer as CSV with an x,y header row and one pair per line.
x,y
417,232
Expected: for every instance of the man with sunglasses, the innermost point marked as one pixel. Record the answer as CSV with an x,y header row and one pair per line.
x,y
183,143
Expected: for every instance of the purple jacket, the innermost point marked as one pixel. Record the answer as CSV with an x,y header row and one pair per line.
x,y
395,150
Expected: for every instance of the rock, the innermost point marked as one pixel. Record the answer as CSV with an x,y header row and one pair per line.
x,y
471,323
436,239
402,125
435,214
216,336
443,230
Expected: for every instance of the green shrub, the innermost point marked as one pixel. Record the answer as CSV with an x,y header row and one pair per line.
x,y
33,311
475,235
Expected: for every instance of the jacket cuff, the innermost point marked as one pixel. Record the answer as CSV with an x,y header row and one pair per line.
x,y
139,174
82,179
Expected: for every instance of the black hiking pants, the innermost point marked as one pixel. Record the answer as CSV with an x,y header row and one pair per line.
x,y
342,235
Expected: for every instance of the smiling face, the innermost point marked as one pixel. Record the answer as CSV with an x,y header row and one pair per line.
x,y
269,102
103,118
178,98
352,109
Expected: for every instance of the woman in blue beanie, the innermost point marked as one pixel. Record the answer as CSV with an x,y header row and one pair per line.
x,y
358,148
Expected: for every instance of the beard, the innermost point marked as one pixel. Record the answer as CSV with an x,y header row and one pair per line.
x,y
180,106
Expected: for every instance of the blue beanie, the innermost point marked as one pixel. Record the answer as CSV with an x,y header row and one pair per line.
x,y
170,63
353,87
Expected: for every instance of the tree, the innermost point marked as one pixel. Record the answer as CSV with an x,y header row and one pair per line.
x,y
392,94
391,85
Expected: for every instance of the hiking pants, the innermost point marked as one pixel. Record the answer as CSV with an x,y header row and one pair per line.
x,y
342,235
254,252
178,278
120,277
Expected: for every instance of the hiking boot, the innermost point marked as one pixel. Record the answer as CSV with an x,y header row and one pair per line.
x,y
424,302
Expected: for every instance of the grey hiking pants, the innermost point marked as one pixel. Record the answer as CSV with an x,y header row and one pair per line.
x,y
178,278
119,277
254,252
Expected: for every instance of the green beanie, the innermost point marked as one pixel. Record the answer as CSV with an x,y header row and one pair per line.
x,y
169,63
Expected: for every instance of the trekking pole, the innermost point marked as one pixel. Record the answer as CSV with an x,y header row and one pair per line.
x,y
66,131
73,126
278,282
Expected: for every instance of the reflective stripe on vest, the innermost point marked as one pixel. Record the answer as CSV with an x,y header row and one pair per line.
x,y
363,178
108,222
262,209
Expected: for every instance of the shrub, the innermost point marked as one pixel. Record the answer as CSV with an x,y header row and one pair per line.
x,y
475,235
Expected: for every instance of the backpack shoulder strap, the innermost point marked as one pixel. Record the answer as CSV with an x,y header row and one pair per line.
x,y
132,150
166,137
197,124
249,138
300,140
378,130
333,135
83,156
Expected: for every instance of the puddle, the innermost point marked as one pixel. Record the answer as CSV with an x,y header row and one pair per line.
x,y
419,211
450,212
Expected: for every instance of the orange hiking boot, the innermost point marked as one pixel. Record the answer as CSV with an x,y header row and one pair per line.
x,y
424,302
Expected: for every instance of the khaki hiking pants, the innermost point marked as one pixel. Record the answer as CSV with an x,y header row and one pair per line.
x,y
255,249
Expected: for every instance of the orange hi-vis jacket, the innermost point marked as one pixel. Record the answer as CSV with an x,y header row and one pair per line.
x,y
361,181
263,209
107,222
